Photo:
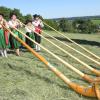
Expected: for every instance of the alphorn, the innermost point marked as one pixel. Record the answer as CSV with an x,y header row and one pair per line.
x,y
85,91
94,55
96,62
84,76
86,65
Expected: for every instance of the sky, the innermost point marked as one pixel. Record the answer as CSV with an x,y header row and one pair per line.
x,y
55,8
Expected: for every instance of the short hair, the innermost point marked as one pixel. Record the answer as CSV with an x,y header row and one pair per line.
x,y
13,13
28,21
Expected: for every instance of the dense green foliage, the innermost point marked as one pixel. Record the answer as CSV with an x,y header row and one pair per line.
x,y
80,25
7,11
52,23
84,26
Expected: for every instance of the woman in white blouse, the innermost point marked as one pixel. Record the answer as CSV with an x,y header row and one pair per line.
x,y
29,32
13,23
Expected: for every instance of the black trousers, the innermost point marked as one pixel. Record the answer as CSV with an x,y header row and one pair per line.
x,y
37,38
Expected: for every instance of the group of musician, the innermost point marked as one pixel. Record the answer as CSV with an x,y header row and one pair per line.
x,y
32,27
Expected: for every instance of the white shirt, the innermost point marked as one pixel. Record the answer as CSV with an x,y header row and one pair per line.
x,y
13,23
29,29
37,23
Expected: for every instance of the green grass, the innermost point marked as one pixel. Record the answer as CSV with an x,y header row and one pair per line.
x,y
96,21
26,78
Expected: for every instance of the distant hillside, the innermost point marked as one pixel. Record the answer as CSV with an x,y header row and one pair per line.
x,y
83,17
96,21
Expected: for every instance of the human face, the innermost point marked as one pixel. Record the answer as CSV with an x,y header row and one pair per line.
x,y
1,17
29,24
37,18
13,17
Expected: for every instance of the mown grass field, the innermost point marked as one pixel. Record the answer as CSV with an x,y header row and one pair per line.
x,y
96,21
26,78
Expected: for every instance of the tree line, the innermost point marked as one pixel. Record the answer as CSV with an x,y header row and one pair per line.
x,y
74,26
7,11
63,24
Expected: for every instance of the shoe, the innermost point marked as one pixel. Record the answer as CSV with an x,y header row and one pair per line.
x,y
17,52
5,53
2,53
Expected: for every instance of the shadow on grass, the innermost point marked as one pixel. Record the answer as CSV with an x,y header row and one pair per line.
x,y
19,92
95,67
31,74
11,52
79,41
47,80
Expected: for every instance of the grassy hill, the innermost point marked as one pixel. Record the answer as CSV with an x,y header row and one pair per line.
x,y
26,78
96,21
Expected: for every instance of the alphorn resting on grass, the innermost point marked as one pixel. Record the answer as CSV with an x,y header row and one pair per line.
x,y
96,62
91,91
84,76
97,72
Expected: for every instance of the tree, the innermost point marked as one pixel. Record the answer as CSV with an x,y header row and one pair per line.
x,y
52,23
65,25
84,26
28,17
5,11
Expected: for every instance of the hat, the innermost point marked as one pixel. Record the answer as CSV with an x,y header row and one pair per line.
x,y
34,16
